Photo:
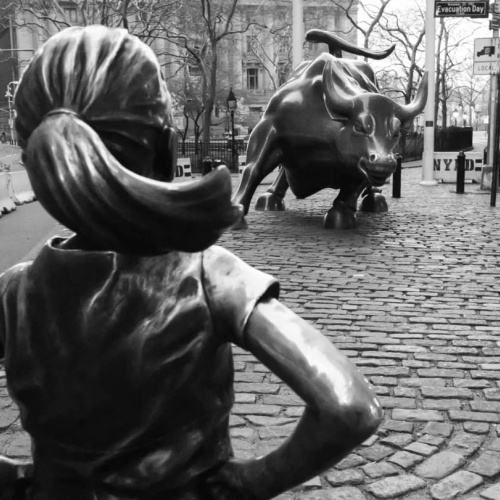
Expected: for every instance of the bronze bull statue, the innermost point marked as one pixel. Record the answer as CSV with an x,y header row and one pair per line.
x,y
329,126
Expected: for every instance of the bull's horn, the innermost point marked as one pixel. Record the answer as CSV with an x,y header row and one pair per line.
x,y
336,101
336,44
418,104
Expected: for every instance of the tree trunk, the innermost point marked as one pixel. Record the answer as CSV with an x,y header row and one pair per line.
x,y
209,95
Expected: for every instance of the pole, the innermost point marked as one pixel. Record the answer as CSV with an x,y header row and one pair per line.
x,y
233,149
460,172
496,144
297,32
396,179
493,112
11,121
430,63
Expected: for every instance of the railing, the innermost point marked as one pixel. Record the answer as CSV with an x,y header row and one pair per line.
x,y
410,147
218,150
453,139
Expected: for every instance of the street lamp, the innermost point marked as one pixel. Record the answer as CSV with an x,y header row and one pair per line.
x,y
232,105
9,95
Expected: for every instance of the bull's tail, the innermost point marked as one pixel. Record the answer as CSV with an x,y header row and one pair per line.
x,y
337,44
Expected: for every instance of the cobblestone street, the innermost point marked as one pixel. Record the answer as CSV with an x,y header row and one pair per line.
x,y
412,296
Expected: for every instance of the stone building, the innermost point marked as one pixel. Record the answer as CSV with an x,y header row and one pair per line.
x,y
254,62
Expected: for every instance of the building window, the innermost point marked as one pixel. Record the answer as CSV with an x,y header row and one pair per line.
x,y
252,78
194,70
71,14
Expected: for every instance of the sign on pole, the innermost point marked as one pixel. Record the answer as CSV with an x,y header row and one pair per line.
x,y
461,8
486,56
486,68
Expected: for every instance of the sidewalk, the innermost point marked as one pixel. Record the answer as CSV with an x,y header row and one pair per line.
x,y
412,297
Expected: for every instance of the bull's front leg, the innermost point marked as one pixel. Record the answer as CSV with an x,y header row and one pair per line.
x,y
373,200
273,198
343,213
263,157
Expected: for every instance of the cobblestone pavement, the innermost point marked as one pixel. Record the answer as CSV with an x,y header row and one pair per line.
x,y
412,297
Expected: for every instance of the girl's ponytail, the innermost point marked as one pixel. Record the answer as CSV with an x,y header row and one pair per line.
x,y
85,188
89,91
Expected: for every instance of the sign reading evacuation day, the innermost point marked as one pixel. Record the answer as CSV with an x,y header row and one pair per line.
x,y
461,8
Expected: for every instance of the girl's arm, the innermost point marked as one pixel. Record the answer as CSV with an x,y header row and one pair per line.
x,y
341,410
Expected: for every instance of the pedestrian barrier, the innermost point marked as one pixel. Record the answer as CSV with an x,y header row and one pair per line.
x,y
6,202
22,192
184,168
446,163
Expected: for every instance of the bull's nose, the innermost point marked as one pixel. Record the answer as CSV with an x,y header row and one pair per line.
x,y
382,160
377,168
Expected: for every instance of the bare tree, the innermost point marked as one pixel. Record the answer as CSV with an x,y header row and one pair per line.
x,y
196,35
453,70
271,43
366,24
143,18
183,33
406,62
470,90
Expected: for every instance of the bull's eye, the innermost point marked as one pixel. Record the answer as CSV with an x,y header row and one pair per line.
x,y
359,128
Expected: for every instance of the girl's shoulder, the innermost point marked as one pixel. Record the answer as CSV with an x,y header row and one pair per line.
x,y
13,275
233,288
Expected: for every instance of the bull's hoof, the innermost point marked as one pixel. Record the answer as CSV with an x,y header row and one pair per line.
x,y
374,202
241,224
340,218
270,202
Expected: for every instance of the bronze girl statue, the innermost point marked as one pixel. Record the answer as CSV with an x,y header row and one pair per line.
x,y
117,340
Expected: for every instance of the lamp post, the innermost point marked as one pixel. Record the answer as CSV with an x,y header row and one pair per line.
x,y
232,105
10,94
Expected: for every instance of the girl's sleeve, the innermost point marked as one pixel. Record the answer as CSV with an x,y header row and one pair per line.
x,y
233,288
9,286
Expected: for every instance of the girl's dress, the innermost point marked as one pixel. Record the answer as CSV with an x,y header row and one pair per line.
x,y
122,369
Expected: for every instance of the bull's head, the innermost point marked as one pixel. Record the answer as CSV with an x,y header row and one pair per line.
x,y
372,123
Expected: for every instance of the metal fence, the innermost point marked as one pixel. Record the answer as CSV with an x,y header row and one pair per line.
x,y
218,150
410,147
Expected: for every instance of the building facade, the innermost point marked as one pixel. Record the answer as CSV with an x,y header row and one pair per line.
x,y
253,62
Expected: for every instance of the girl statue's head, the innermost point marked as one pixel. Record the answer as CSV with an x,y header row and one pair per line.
x,y
94,122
